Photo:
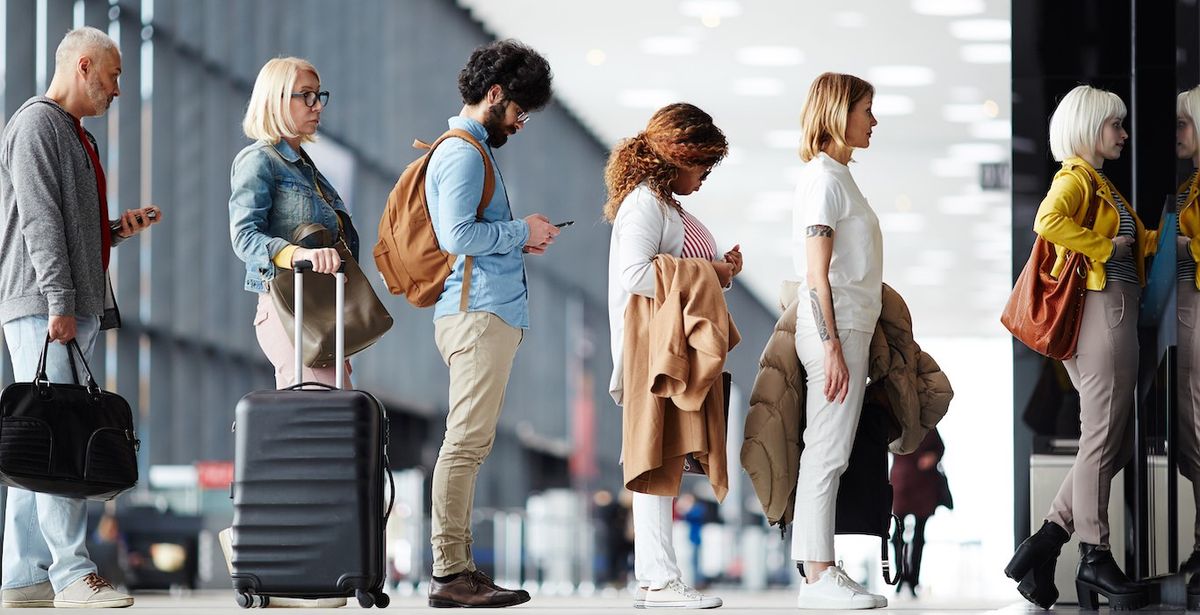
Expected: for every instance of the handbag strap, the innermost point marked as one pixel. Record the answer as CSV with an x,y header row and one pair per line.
x,y
41,380
901,554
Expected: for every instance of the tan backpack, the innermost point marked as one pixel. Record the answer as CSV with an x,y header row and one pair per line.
x,y
407,254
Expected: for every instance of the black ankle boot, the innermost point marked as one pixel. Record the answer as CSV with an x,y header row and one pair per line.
x,y
1033,564
1038,585
1191,565
1099,574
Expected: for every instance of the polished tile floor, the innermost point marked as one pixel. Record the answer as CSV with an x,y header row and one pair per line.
x,y
736,602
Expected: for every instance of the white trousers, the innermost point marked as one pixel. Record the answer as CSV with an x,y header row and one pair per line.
x,y
828,438
653,553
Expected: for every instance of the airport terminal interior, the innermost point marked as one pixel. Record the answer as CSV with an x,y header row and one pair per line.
x,y
957,172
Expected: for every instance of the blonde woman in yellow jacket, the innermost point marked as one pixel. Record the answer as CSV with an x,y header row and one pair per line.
x,y
1187,147
1085,131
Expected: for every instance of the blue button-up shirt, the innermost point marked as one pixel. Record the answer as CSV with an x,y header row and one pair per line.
x,y
453,187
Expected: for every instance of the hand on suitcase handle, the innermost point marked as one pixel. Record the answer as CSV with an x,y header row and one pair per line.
x,y
305,266
321,260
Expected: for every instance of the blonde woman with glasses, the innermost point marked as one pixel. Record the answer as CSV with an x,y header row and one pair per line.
x,y
276,189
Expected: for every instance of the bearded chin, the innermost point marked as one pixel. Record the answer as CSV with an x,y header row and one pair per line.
x,y
96,95
494,123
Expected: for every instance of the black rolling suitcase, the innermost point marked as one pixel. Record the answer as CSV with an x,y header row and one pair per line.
x,y
308,493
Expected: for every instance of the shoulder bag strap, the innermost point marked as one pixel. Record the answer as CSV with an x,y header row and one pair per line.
x,y
489,189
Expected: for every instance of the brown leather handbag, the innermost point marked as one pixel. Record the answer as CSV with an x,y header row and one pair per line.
x,y
1044,312
366,318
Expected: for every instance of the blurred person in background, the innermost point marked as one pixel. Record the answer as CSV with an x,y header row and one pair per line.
x,y
919,487
1187,147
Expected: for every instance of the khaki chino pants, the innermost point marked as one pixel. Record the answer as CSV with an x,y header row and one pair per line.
x,y
479,348
1104,371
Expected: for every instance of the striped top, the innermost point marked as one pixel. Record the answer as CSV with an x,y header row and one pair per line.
x,y
1185,267
697,241
1123,269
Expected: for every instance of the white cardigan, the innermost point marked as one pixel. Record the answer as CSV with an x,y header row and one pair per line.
x,y
645,227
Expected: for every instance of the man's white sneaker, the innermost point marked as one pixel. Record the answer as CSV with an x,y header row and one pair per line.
x,y
37,596
835,590
91,592
225,539
676,595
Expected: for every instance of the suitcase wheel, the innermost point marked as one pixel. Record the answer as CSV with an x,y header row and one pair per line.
x,y
365,599
382,600
247,600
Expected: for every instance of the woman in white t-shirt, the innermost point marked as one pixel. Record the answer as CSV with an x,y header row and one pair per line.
x,y
839,258
671,157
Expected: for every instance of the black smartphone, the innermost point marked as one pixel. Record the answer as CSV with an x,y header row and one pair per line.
x,y
567,223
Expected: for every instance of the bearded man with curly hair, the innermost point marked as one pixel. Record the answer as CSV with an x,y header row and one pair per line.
x,y
483,311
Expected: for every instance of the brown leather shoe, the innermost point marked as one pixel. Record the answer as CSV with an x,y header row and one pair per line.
x,y
486,580
471,590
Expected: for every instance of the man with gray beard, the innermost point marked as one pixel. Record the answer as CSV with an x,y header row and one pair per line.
x,y
54,254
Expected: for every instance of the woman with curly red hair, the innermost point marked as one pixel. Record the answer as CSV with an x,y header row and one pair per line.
x,y
671,157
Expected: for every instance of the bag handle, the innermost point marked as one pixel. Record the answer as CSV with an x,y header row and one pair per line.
x,y
42,381
901,554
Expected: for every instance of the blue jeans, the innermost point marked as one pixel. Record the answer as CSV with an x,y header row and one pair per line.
x,y
44,534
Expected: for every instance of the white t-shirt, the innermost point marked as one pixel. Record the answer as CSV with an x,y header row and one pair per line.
x,y
827,195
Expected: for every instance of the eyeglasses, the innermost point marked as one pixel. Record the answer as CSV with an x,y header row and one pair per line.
x,y
311,98
523,116
704,175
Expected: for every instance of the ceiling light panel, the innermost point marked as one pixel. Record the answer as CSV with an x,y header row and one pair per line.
x,y
758,86
948,8
721,9
981,29
890,105
986,53
669,46
770,55
900,76
849,19
646,98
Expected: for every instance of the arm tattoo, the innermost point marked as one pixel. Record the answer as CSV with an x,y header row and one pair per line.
x,y
819,318
818,230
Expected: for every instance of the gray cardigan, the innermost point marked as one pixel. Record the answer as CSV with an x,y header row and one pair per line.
x,y
49,211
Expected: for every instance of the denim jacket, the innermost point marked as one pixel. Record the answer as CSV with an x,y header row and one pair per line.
x,y
453,186
272,193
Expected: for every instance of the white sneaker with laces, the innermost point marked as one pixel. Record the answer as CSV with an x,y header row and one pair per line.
x,y
91,592
837,591
36,596
676,595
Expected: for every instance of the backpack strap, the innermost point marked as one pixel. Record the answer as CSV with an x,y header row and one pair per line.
x,y
485,199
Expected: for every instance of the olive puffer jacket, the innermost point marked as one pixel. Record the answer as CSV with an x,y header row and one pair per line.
x,y
917,392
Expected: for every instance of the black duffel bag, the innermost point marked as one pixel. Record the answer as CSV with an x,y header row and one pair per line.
x,y
73,440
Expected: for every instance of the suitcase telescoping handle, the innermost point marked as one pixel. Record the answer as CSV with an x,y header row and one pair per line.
x,y
339,348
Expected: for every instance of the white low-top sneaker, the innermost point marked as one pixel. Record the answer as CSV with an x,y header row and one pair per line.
x,y
836,590
91,592
39,595
676,595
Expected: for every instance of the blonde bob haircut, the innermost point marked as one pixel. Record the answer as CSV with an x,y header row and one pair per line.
x,y
823,119
1078,119
269,113
1188,103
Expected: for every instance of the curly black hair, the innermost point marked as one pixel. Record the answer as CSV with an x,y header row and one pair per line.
x,y
522,72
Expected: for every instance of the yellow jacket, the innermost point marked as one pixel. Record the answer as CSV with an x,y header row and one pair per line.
x,y
1189,219
1060,220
